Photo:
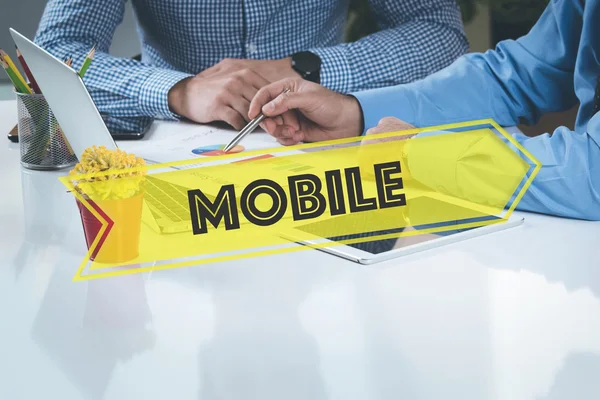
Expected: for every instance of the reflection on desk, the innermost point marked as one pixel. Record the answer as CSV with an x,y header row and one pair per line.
x,y
513,315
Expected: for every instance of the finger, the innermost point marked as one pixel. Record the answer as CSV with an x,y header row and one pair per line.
x,y
289,135
289,101
286,136
373,131
284,132
232,117
394,124
240,105
287,141
384,127
268,93
389,120
226,65
300,136
250,83
269,125
290,118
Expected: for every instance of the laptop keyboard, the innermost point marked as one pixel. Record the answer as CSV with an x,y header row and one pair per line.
x,y
171,200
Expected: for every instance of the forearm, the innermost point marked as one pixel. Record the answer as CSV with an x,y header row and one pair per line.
x,y
504,86
416,41
475,168
568,183
122,87
517,82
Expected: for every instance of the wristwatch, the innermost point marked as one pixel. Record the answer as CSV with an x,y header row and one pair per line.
x,y
308,65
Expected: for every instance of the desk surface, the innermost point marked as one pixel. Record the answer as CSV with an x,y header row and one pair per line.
x,y
514,315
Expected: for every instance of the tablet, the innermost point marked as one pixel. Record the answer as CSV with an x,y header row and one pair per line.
x,y
364,251
127,128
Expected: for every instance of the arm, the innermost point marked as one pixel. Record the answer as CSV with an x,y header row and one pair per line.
x,y
120,87
568,184
418,37
520,80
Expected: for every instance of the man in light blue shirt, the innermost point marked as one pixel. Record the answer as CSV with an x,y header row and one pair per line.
x,y
205,60
550,69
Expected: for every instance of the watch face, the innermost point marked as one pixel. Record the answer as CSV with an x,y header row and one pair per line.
x,y
307,64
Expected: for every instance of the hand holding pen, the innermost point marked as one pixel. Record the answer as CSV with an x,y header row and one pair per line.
x,y
252,125
307,113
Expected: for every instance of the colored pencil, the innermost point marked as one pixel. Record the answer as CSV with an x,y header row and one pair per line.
x,y
87,62
32,81
4,65
12,67
19,86
13,135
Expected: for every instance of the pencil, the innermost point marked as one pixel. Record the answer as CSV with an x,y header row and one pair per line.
x,y
87,62
18,84
34,84
15,71
69,61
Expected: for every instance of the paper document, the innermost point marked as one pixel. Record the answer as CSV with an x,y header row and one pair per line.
x,y
171,142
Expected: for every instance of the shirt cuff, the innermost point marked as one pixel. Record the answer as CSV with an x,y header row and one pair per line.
x,y
154,93
392,101
335,70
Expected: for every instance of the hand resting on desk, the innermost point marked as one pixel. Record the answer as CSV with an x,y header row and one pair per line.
x,y
223,92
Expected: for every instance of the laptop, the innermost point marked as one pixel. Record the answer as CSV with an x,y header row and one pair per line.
x,y
67,96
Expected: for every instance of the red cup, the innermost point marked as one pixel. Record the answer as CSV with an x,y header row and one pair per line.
x,y
119,243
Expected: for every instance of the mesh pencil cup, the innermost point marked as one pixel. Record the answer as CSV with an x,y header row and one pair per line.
x,y
42,142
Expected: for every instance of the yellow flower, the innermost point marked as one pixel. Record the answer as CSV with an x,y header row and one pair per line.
x,y
116,184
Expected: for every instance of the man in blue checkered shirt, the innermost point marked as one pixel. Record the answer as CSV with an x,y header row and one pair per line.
x,y
205,60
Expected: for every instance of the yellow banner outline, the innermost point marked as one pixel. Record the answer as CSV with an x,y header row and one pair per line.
x,y
67,181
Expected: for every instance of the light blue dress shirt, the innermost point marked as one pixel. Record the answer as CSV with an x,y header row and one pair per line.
x,y
550,69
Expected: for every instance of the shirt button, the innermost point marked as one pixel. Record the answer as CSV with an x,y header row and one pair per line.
x,y
251,48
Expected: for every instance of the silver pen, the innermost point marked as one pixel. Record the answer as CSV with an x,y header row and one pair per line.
x,y
247,129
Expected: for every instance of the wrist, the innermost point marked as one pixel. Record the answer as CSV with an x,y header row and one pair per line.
x,y
285,65
355,116
153,95
176,97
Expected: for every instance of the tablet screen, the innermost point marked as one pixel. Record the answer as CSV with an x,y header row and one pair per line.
x,y
384,245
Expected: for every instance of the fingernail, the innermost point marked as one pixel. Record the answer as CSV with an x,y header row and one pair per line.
x,y
269,107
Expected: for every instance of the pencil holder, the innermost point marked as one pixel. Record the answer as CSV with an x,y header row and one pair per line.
x,y
42,142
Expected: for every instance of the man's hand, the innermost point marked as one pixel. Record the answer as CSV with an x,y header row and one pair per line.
x,y
218,97
308,113
390,124
271,70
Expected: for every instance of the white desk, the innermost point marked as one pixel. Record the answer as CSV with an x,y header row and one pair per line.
x,y
514,315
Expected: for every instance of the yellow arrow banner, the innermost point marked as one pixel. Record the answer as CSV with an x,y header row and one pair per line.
x,y
264,202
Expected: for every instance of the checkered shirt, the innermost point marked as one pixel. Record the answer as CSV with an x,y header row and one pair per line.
x,y
180,38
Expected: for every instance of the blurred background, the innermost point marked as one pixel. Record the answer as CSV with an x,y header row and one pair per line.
x,y
486,22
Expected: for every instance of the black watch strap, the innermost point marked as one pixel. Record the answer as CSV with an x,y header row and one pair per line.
x,y
308,65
